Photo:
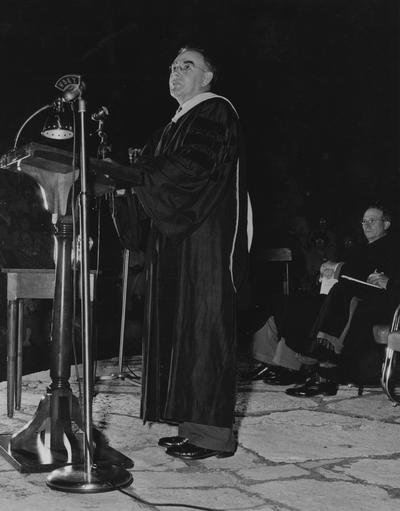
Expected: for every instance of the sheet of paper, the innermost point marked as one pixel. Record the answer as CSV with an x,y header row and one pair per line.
x,y
326,284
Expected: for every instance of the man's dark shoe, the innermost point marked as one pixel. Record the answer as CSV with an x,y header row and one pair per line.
x,y
188,451
314,388
172,441
285,377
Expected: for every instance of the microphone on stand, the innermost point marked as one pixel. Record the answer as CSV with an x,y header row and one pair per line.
x,y
71,87
100,117
73,91
101,114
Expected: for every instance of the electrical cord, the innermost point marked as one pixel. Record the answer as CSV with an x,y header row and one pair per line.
x,y
45,107
156,505
96,275
132,372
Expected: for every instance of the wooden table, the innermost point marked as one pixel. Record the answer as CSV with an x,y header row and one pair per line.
x,y
23,284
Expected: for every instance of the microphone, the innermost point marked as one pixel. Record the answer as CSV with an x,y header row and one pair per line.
x,y
71,87
73,91
100,114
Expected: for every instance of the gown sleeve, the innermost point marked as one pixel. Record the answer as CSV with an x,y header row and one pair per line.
x,y
193,167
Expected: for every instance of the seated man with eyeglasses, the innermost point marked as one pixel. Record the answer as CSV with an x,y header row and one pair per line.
x,y
341,338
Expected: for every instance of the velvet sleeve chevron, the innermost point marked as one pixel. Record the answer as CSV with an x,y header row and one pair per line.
x,y
193,168
203,146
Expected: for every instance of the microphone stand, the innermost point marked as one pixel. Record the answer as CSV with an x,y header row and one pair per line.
x,y
87,478
122,375
102,153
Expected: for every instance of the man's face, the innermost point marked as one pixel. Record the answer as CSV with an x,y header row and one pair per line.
x,y
374,226
189,76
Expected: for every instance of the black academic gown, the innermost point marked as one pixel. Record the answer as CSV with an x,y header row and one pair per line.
x,y
304,319
383,256
194,192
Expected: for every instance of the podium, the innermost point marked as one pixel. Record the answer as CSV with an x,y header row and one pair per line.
x,y
55,435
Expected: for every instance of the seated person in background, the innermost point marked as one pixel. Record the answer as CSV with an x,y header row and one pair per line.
x,y
266,347
279,365
285,340
341,338
361,358
291,324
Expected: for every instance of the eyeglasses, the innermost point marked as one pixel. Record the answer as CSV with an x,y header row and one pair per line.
x,y
184,67
371,221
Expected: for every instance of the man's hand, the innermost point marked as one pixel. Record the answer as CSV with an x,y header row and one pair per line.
x,y
378,279
102,185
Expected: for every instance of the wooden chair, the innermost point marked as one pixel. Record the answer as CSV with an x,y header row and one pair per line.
x,y
385,335
279,255
389,335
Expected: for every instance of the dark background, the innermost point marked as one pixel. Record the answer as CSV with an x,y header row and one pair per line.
x,y
314,81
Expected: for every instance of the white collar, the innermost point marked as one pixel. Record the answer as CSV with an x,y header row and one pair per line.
x,y
190,103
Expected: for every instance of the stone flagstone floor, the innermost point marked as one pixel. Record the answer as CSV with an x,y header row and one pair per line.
x,y
320,454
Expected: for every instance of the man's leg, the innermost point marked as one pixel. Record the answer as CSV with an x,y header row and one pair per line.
x,y
199,441
286,357
265,341
289,367
263,346
209,437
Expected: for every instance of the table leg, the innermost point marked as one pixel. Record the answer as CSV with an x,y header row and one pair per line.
x,y
20,338
11,354
286,285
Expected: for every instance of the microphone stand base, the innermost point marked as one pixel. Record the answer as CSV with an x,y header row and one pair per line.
x,y
74,479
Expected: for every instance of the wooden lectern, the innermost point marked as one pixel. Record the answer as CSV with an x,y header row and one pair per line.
x,y
49,440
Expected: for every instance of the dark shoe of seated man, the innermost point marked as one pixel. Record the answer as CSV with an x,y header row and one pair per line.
x,y
188,451
313,387
324,382
172,441
284,376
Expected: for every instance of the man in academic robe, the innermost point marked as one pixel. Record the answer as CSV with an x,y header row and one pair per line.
x,y
195,194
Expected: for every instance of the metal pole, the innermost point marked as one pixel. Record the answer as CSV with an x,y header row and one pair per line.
x,y
85,300
125,274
